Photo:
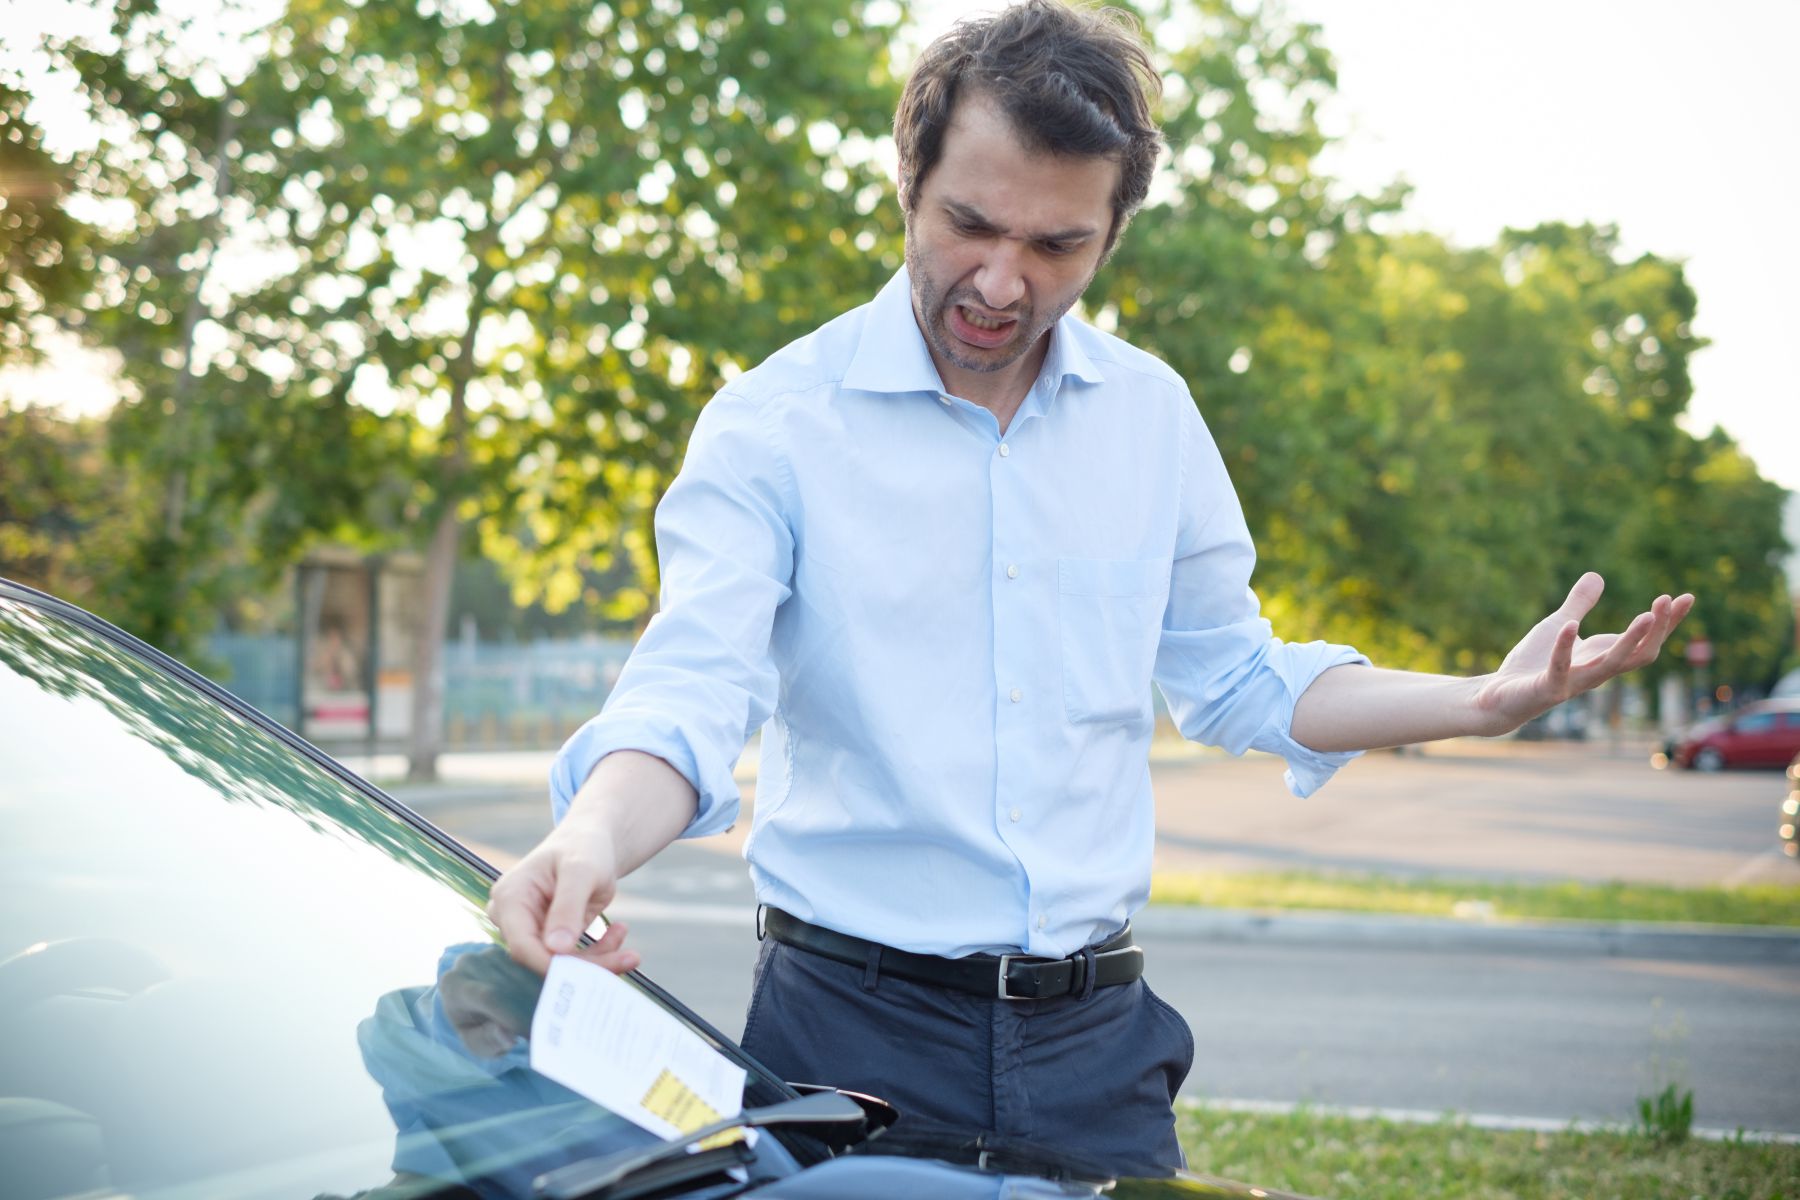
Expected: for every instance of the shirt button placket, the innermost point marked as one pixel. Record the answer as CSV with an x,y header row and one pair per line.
x,y
1014,653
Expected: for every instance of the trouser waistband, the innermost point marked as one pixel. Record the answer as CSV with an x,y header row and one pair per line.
x,y
1006,976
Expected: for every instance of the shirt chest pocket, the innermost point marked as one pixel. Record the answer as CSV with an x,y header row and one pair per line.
x,y
1110,611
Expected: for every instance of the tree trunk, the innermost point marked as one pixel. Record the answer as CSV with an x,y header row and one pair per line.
x,y
188,437
426,738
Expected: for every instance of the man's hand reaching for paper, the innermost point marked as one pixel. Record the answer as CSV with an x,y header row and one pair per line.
x,y
1553,662
631,807
544,903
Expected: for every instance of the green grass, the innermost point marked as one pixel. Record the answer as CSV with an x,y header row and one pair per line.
x,y
1758,904
1346,1158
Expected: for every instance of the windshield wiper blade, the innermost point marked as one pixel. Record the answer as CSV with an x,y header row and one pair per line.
x,y
593,1177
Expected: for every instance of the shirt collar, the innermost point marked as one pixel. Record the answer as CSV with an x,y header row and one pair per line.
x,y
891,356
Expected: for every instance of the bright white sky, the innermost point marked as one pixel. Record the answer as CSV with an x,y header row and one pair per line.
x,y
1674,120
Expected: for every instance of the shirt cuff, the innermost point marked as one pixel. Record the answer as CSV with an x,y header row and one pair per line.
x,y
1308,770
718,804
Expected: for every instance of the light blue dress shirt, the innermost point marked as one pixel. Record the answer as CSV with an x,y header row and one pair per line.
x,y
950,634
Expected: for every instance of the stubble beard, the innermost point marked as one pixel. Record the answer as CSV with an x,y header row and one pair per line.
x,y
931,305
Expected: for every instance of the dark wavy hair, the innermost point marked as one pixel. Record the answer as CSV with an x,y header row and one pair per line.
x,y
1073,81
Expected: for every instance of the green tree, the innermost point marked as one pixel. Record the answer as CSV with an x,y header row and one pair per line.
x,y
461,273
198,447
543,234
1431,443
43,271
48,485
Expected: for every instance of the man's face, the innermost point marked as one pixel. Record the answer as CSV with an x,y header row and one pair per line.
x,y
1000,242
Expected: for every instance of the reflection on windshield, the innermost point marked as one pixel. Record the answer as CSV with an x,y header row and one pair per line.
x,y
453,1062
211,743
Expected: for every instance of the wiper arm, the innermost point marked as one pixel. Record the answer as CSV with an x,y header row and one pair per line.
x,y
593,1177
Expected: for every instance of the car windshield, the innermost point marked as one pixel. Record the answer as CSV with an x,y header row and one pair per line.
x,y
225,969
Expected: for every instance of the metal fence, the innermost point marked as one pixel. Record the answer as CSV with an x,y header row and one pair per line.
x,y
496,694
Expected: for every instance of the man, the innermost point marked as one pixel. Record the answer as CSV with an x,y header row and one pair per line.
x,y
946,542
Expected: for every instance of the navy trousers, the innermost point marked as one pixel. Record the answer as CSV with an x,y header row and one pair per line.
x,y
1092,1077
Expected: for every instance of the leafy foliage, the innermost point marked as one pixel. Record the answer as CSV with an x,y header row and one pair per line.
x,y
42,270
1431,443
1667,1117
457,276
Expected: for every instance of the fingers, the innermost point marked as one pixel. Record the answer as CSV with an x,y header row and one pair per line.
x,y
544,904
583,889
1680,608
1583,596
1668,614
1637,646
609,951
1562,655
516,906
1622,655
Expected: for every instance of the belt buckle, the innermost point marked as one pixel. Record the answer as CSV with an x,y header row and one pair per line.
x,y
1000,991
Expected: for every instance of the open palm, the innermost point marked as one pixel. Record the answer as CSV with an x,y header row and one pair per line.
x,y
1553,662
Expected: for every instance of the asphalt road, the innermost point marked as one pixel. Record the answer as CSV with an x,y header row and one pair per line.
x,y
1526,1032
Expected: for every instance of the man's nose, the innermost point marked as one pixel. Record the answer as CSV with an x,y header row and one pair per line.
x,y
1000,281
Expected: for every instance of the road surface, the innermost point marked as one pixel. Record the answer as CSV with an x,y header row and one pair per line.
x,y
1480,1029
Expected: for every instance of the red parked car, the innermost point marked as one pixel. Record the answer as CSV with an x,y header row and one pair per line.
x,y
1766,734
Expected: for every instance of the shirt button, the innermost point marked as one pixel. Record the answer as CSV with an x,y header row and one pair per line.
x,y
1012,570
1005,450
1016,696
1015,814
943,400
1042,920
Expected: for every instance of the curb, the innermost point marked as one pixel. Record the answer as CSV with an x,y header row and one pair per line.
x,y
1594,939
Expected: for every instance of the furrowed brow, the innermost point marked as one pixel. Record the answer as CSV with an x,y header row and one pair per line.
x,y
969,217
972,218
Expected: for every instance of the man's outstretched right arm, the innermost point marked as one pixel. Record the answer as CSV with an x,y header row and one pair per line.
x,y
631,807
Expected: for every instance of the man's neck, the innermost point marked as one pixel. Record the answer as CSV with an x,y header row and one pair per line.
x,y
1000,392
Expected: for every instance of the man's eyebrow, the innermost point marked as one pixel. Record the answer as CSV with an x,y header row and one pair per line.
x,y
967,215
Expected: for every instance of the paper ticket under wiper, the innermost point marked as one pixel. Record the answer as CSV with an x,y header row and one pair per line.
x,y
597,1035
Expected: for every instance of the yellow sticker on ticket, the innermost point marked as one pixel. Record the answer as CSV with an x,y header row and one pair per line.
x,y
679,1105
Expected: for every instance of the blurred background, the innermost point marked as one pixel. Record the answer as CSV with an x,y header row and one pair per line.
x,y
346,348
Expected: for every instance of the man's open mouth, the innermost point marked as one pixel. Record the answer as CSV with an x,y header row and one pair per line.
x,y
979,329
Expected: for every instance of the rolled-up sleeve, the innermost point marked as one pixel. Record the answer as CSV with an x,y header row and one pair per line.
x,y
700,680
1229,681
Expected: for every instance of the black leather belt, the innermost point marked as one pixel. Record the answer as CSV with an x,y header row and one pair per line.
x,y
1006,976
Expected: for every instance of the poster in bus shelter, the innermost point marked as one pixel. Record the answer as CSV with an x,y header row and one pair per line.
x,y
336,693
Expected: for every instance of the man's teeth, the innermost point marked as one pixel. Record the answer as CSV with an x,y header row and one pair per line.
x,y
981,322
